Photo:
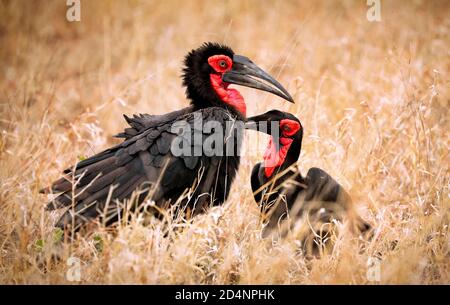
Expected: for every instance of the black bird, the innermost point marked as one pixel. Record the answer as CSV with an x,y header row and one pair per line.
x,y
280,189
145,160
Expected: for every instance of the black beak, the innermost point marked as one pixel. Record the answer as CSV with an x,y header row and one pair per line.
x,y
260,123
263,123
246,73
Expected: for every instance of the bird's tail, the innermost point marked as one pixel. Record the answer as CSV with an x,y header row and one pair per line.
x,y
88,187
324,189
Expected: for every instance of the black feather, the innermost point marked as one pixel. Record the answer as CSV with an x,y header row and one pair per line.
x,y
142,156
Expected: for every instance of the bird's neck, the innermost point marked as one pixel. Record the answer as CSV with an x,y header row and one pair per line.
x,y
277,159
229,96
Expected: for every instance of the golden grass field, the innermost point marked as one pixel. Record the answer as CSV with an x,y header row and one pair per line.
x,y
373,98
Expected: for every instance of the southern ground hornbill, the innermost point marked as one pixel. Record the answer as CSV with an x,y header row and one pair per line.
x,y
146,161
285,196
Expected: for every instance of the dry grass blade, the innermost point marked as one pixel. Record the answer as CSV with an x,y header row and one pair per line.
x,y
373,98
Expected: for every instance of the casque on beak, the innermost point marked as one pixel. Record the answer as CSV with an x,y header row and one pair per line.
x,y
245,73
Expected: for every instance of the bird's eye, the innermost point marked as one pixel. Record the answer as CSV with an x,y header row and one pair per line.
x,y
286,128
223,63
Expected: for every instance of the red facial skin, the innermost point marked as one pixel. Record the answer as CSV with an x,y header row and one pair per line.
x,y
274,158
232,97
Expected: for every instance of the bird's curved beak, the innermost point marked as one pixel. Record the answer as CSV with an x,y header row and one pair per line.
x,y
244,72
254,123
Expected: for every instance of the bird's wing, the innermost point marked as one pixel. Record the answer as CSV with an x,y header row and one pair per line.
x,y
145,161
323,187
140,122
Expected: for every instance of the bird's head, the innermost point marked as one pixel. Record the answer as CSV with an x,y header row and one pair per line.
x,y
285,142
210,69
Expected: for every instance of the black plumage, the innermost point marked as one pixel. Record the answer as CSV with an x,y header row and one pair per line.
x,y
144,162
144,157
286,194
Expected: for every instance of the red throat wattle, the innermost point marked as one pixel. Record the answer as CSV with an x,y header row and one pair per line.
x,y
231,97
273,158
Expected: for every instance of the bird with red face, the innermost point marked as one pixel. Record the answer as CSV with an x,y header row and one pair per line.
x,y
284,195
145,165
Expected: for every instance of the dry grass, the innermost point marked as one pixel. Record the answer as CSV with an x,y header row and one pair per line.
x,y
373,99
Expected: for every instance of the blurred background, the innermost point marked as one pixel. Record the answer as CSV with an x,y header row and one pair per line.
x,y
373,98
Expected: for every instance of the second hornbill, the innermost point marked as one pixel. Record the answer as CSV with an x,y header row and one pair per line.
x,y
145,161
281,190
